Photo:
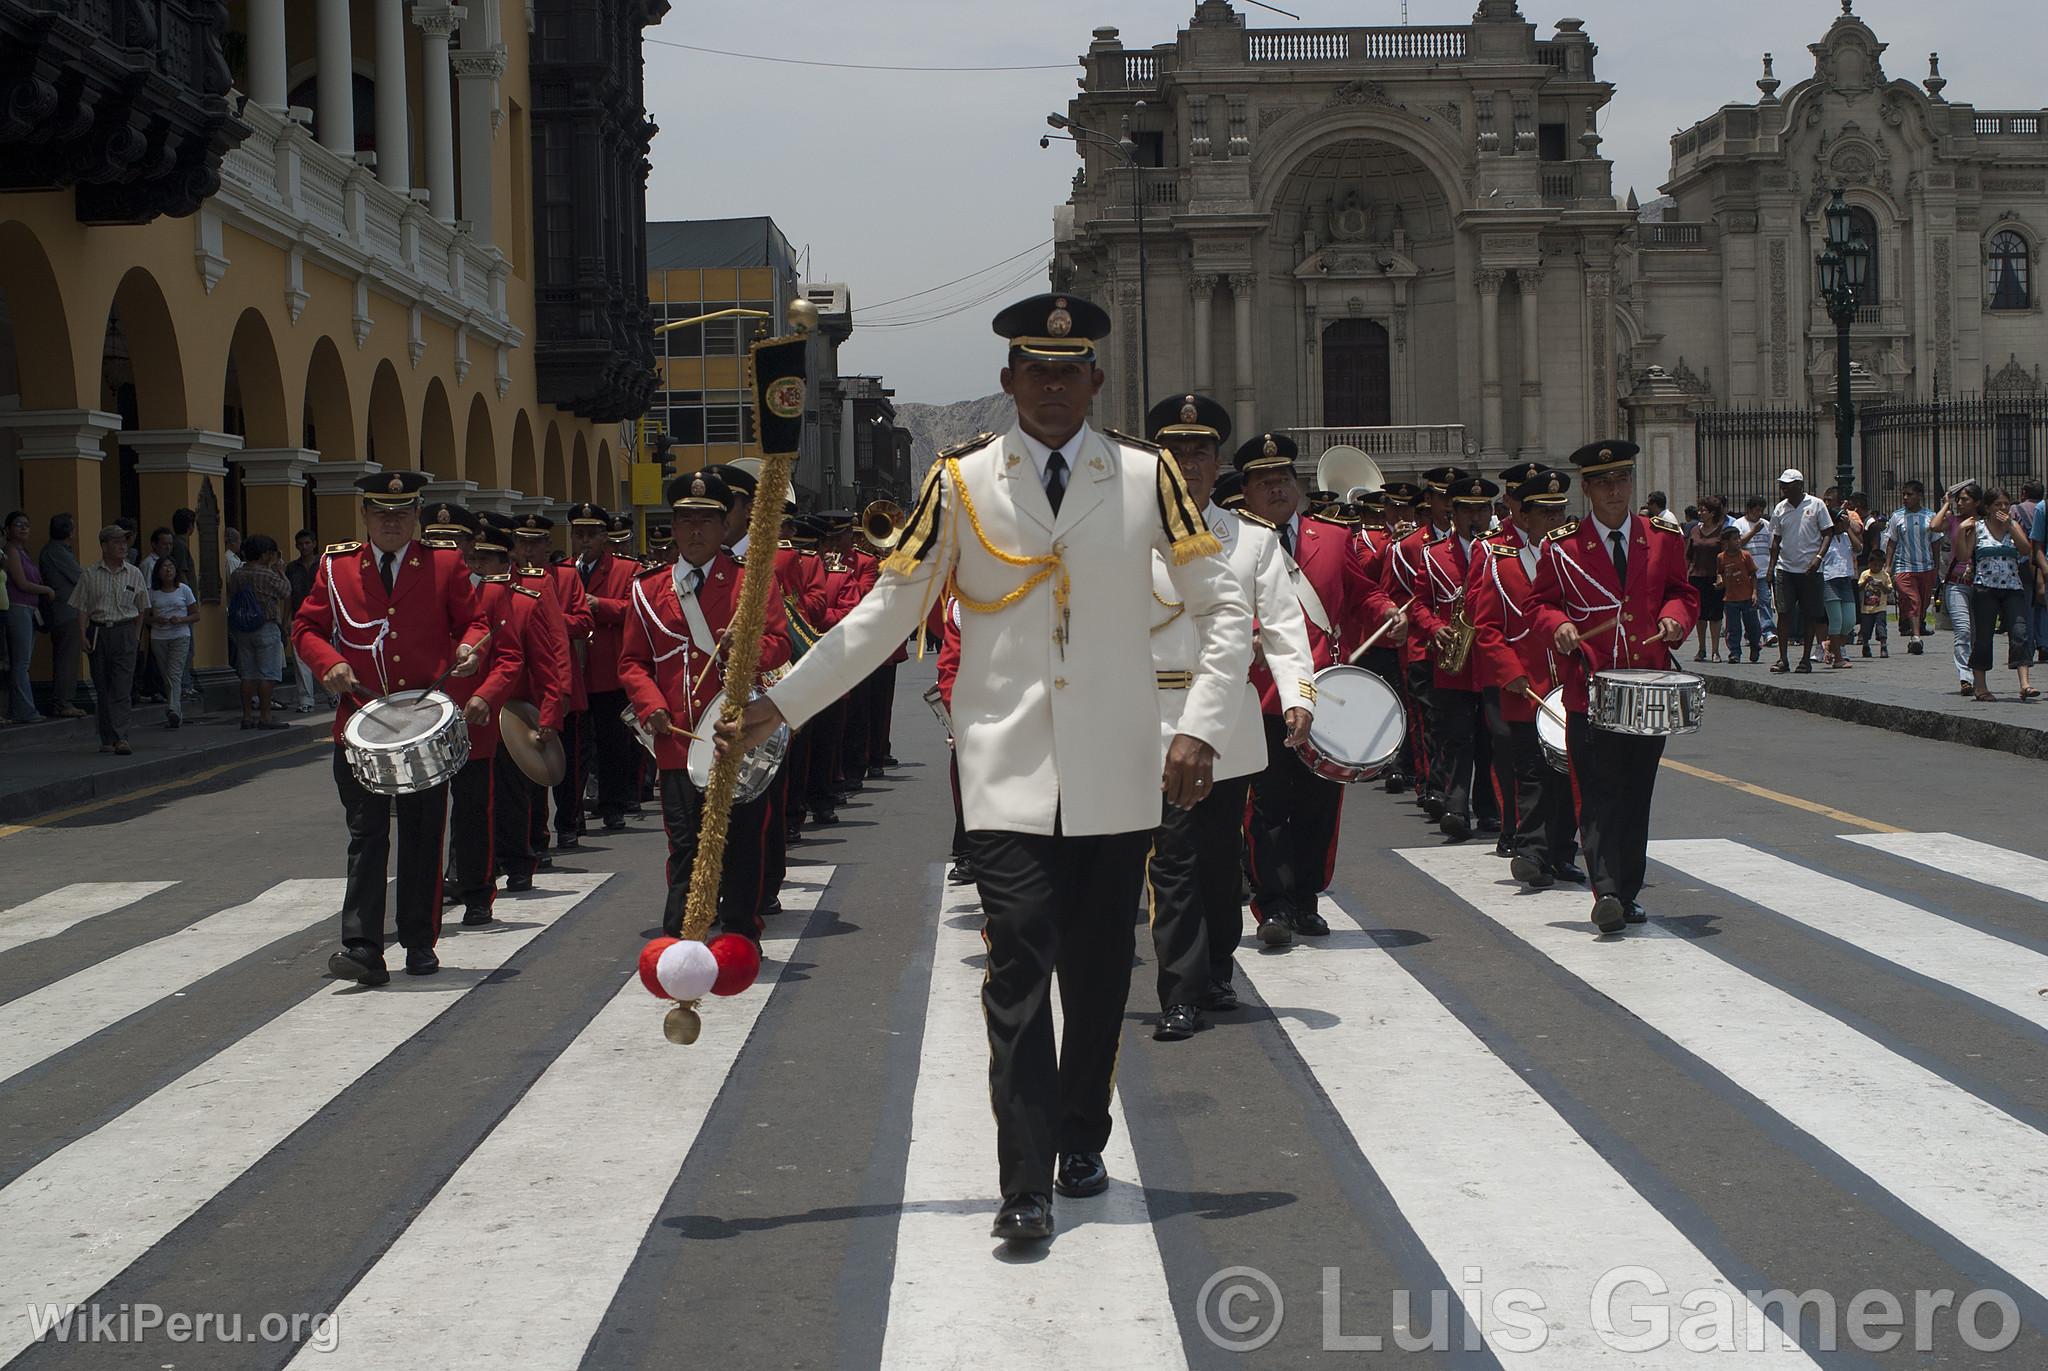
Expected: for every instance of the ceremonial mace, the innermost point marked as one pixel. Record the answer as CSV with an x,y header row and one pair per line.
x,y
776,375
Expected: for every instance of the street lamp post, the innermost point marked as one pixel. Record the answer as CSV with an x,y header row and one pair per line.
x,y
1844,270
1127,148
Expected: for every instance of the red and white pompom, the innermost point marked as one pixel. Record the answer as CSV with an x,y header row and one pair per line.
x,y
686,970
739,963
650,954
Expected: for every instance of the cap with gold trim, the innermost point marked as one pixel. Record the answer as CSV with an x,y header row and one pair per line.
x,y
621,527
587,515
737,479
700,489
1321,501
1401,493
1438,479
1520,472
1264,452
392,489
1544,487
448,520
1229,491
1605,454
494,532
1053,328
1472,490
1188,416
532,525
1371,502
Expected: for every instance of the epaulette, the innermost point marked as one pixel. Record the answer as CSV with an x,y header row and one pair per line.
x,y
1664,522
1333,523
651,571
807,552
443,544
503,578
974,444
341,549
785,546
1502,549
526,590
1144,443
1252,518
1563,530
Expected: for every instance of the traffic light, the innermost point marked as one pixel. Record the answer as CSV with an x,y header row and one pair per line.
x,y
661,446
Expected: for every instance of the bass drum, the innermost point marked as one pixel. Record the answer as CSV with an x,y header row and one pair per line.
x,y
1359,725
1550,732
757,768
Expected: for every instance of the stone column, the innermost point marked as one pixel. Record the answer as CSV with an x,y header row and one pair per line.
x,y
436,23
1247,386
453,492
1530,281
337,504
394,99
558,510
174,467
1661,413
334,121
1202,292
488,501
1488,282
274,490
266,60
478,73
60,451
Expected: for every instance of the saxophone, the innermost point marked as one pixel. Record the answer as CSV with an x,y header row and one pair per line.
x,y
1452,659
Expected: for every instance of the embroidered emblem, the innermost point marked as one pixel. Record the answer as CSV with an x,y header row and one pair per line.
x,y
1011,460
785,397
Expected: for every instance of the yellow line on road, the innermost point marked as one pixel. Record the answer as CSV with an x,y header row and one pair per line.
x,y
1841,816
182,783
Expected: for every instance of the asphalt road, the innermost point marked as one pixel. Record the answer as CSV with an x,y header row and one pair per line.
x,y
1456,1126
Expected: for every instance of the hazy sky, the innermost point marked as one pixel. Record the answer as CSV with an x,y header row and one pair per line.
x,y
899,181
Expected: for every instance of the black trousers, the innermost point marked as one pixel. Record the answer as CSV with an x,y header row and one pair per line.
x,y
1464,750
472,800
853,734
618,778
1546,830
569,790
1291,829
1500,764
1065,906
513,798
822,793
797,768
1422,725
421,819
1192,874
1614,774
881,711
739,878
775,838
960,848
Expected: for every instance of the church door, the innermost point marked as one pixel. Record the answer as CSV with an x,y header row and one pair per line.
x,y
1357,384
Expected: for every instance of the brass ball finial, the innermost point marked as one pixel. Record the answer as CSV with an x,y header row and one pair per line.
x,y
681,1025
803,315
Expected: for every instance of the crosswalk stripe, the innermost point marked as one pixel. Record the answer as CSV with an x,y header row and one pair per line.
x,y
80,1217
1994,970
64,1013
48,915
2014,873
1100,1299
1967,1167
542,1216
1487,1173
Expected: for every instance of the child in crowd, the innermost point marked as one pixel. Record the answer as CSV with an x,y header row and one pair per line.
x,y
1873,600
1737,580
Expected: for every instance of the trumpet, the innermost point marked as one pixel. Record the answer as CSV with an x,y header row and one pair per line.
x,y
882,524
1451,658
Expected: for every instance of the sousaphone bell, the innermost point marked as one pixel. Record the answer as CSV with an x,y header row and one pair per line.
x,y
882,524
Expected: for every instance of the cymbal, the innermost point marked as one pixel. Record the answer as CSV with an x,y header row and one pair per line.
x,y
544,764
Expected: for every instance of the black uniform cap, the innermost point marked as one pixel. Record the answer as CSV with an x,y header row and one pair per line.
x,y
1265,451
1189,415
447,518
1520,472
700,489
1401,492
1472,490
494,533
392,489
1439,479
1605,454
1546,487
587,515
1055,328
737,479
1229,491
532,525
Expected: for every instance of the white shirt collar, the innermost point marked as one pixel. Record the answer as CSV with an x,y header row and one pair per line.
x,y
1038,451
739,549
680,574
1606,529
1294,528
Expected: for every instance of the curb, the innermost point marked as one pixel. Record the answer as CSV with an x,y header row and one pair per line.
x,y
2011,739
41,800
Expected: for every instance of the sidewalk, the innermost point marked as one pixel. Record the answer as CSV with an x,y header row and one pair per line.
x,y
1905,694
56,765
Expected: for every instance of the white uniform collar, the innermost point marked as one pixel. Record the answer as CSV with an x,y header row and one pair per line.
x,y
1038,451
739,549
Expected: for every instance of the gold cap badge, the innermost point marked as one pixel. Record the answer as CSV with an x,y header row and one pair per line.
x,y
1188,412
697,487
1059,323
1272,449
1555,485
397,486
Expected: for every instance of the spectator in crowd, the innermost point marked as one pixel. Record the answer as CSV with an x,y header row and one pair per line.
x,y
1874,598
259,606
1756,541
2001,560
1838,576
1655,504
1957,506
2037,534
112,599
28,599
58,561
130,526
231,541
1736,584
1703,568
173,609
159,546
300,572
1910,546
1801,528
183,521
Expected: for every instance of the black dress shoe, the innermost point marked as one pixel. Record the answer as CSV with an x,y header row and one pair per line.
x,y
543,862
1454,826
1636,914
794,833
1080,1175
1610,912
614,822
1178,1022
1433,806
360,964
1502,850
1309,924
1277,930
1027,1218
568,842
1565,871
475,917
448,895
1488,824
962,873
421,961
1221,1000
824,818
515,884
875,772
1396,783
888,760
773,908
1531,873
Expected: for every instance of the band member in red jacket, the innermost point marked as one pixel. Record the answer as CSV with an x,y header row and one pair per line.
x,y
1418,660
857,741
824,786
1461,743
532,555
674,630
607,582
1515,664
385,616
547,688
1611,592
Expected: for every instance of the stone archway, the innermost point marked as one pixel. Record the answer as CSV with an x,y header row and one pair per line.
x,y
480,448
607,479
579,467
437,455
46,371
252,392
389,429
525,470
554,471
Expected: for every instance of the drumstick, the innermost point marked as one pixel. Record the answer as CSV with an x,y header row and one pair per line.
x,y
1377,634
443,677
1543,704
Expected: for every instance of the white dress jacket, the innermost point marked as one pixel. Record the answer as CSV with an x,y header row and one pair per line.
x,y
1055,716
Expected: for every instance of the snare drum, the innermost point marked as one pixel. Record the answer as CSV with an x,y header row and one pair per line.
x,y
1647,704
1359,725
1550,731
404,743
757,768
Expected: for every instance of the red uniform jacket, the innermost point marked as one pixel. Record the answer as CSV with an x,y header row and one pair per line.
x,y
1575,584
550,665
572,608
839,572
510,610
661,668
1446,567
865,571
947,614
1404,571
397,641
1500,598
801,575
608,587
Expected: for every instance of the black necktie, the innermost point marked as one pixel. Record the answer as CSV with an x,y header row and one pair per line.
x,y
1620,559
1055,480
694,579
1287,539
585,569
389,571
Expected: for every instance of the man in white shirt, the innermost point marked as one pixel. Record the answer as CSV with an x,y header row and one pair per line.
x,y
1801,529
1755,532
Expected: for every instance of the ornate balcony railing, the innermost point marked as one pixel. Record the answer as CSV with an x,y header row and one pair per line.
x,y
1356,45
1390,442
1671,235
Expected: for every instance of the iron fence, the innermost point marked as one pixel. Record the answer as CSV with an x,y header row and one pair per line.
x,y
1997,438
1742,451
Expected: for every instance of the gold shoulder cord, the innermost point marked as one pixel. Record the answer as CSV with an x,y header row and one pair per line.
x,y
1048,565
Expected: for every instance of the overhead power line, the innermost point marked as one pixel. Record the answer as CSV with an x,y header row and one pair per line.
x,y
1001,288
849,66
928,290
